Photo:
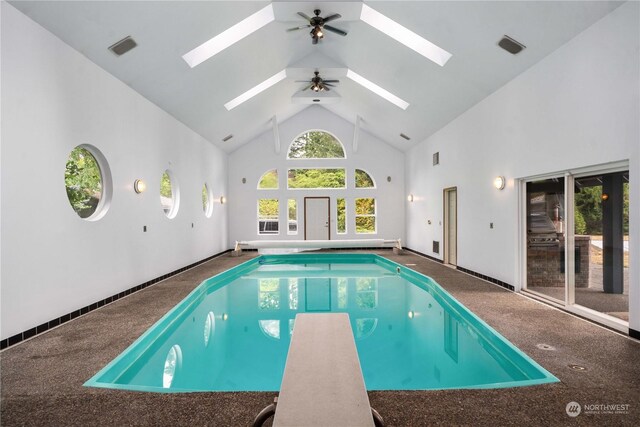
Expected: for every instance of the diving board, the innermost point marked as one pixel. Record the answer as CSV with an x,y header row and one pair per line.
x,y
322,383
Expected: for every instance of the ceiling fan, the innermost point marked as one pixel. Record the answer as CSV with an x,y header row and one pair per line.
x,y
317,84
317,25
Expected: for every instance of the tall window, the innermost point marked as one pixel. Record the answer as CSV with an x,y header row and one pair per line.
x,y
364,180
316,145
268,216
292,209
207,200
269,180
366,215
341,207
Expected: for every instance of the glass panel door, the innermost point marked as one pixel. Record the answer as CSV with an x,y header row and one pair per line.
x,y
601,212
546,238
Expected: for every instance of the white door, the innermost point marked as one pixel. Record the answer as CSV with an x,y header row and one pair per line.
x,y
450,226
316,218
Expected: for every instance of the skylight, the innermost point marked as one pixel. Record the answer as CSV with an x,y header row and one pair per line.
x,y
230,36
256,90
377,90
404,35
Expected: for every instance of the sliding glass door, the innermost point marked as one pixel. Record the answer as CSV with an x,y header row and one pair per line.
x,y
577,242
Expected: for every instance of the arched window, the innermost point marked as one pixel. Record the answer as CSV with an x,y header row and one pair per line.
x,y
269,180
316,144
364,180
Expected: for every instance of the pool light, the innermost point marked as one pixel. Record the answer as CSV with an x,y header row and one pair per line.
x,y
256,90
411,314
377,89
404,35
230,36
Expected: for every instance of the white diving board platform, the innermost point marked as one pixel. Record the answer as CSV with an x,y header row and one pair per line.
x,y
322,383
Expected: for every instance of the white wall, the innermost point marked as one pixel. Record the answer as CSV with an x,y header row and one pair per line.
x,y
53,262
376,157
577,107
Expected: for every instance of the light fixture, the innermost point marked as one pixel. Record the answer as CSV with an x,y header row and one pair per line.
x,y
256,90
139,186
498,182
230,36
404,35
411,314
222,200
317,32
605,196
377,90
225,316
410,197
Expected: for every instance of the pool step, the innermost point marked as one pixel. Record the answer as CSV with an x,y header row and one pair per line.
x,y
322,383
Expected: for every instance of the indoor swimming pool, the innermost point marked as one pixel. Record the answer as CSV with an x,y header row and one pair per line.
x,y
232,333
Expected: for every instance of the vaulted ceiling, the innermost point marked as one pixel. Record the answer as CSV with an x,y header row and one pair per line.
x,y
166,30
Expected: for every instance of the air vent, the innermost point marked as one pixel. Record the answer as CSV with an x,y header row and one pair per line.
x,y
436,247
226,138
123,46
510,45
436,158
316,100
405,136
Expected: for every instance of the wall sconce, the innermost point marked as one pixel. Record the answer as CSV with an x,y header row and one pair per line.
x,y
498,182
139,186
410,197
225,316
222,200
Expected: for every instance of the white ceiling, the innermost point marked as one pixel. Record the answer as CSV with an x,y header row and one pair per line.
x,y
165,30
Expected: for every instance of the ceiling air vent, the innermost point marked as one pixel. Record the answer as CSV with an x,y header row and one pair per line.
x,y
510,45
123,46
405,136
226,138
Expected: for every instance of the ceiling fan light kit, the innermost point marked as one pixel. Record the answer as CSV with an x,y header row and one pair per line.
x,y
317,25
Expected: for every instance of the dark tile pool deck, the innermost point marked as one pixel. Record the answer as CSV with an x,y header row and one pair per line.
x,y
42,378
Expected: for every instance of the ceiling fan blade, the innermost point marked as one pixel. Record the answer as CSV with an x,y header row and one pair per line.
x,y
332,17
307,87
335,30
324,87
331,81
329,84
304,16
303,81
299,28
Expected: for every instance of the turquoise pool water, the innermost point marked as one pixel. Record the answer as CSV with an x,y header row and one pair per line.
x,y
232,332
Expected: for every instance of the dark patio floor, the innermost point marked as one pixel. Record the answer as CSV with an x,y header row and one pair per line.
x,y
42,378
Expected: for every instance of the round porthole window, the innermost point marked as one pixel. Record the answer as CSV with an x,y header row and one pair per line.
x,y
88,182
207,199
169,194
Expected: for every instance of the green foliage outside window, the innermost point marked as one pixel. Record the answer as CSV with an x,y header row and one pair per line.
x,y
363,179
269,180
83,182
165,186
366,215
268,208
316,145
205,198
342,216
588,210
316,178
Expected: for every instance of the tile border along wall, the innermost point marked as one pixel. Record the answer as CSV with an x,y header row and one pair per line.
x,y
8,342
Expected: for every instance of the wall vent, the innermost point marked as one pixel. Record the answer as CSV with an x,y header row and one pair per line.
x,y
405,136
226,138
436,158
436,247
510,45
123,46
